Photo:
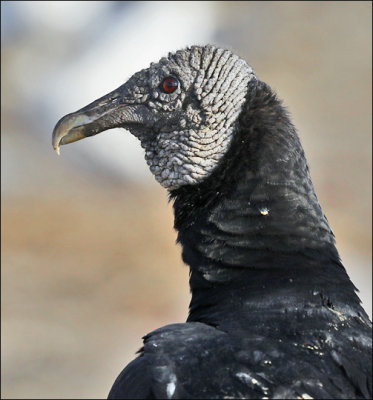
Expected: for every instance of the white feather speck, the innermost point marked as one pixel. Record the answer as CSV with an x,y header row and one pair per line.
x,y
171,386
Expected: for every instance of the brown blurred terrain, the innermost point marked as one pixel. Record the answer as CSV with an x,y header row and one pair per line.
x,y
86,277
89,259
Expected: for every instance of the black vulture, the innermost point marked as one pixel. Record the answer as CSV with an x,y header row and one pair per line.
x,y
273,313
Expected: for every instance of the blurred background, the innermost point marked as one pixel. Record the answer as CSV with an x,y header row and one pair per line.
x,y
89,261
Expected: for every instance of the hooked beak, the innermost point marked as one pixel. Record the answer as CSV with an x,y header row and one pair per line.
x,y
88,121
109,111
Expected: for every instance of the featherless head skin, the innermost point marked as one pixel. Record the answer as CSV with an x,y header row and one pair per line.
x,y
183,110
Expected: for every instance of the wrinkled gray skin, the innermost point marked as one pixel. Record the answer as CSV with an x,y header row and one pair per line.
x,y
184,133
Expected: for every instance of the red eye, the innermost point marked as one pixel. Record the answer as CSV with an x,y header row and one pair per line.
x,y
170,84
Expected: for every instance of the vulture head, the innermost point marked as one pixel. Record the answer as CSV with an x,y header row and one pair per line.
x,y
183,110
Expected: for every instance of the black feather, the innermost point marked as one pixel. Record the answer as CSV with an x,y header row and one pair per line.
x,y
273,313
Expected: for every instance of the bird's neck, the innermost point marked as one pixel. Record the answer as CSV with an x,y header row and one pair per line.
x,y
254,228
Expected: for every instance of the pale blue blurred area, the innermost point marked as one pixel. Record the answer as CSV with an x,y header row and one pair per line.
x,y
89,260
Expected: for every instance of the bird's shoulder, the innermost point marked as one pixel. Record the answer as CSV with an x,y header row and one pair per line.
x,y
163,367
195,360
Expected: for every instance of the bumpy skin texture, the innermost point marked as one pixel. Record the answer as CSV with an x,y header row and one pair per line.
x,y
195,123
273,313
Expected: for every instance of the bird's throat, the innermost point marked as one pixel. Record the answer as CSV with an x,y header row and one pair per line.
x,y
256,219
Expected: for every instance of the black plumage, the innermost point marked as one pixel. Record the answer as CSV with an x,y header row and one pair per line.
x,y
273,312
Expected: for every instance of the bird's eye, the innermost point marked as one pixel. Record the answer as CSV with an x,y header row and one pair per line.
x,y
169,84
